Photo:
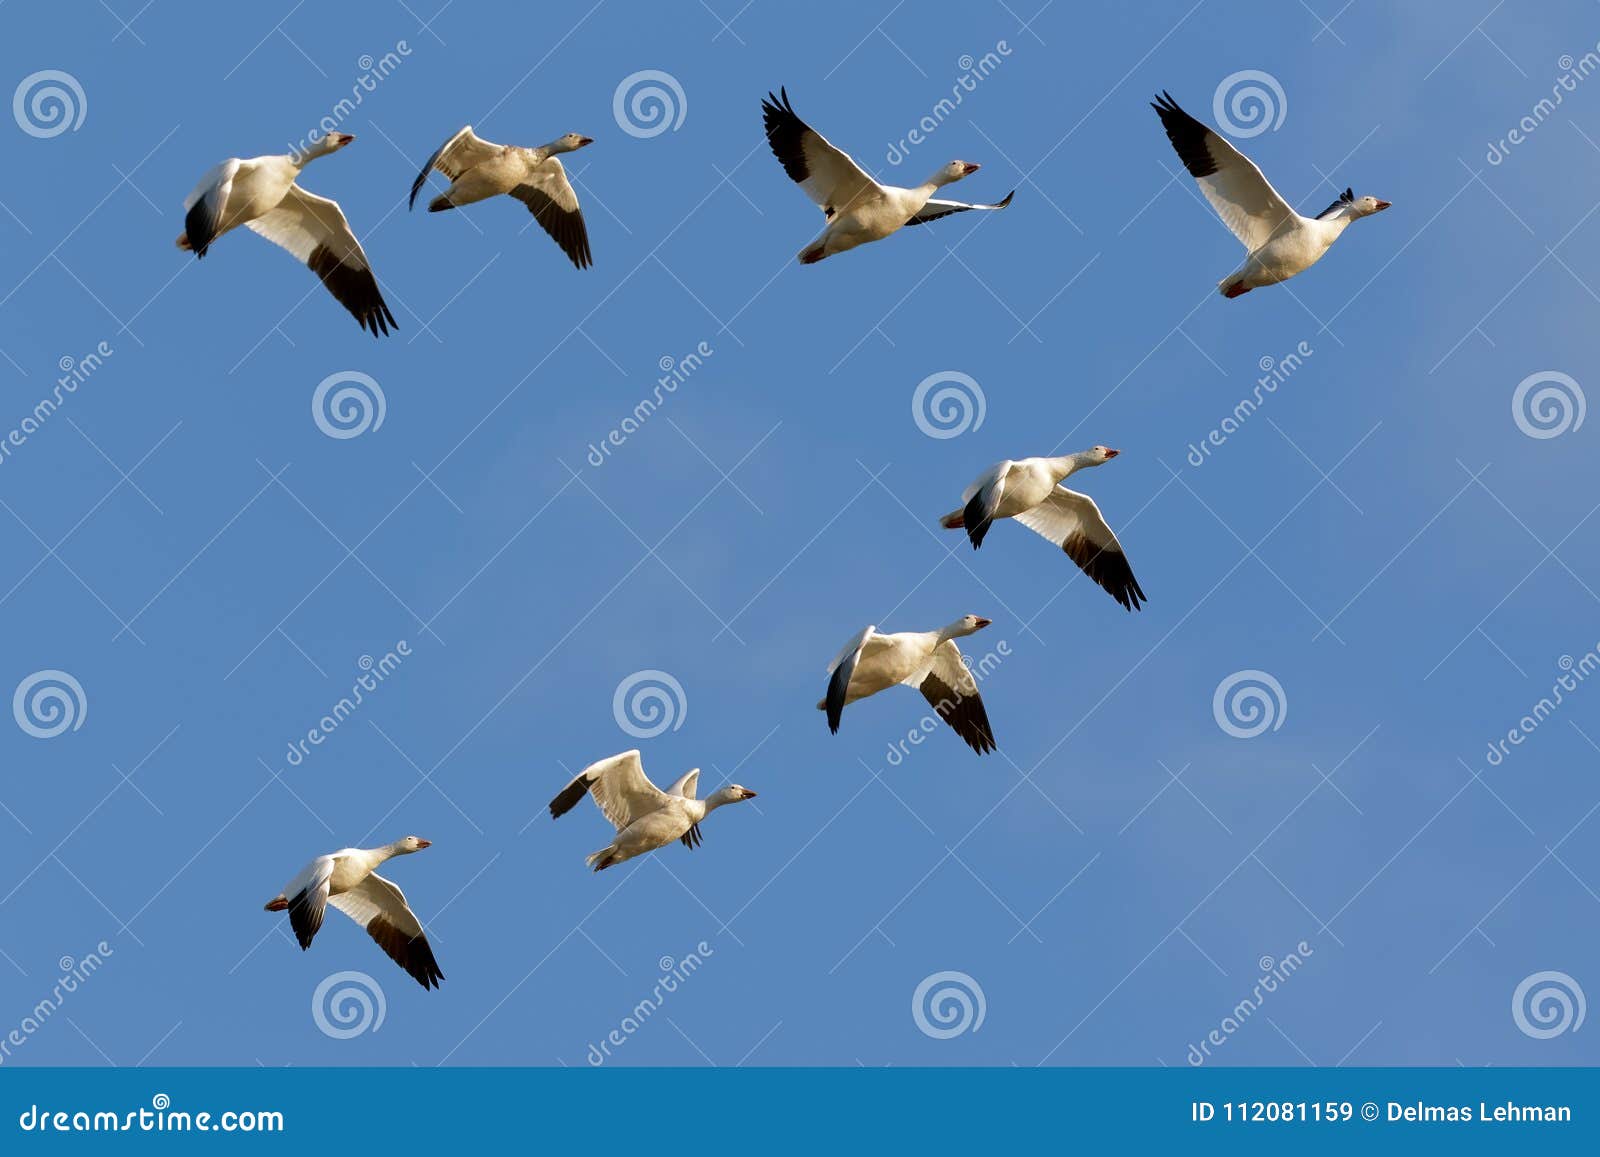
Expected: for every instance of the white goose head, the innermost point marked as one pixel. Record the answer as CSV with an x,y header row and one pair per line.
x,y
733,793
966,625
953,172
405,845
570,143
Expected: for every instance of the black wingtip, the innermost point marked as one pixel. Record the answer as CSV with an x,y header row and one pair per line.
x,y
568,799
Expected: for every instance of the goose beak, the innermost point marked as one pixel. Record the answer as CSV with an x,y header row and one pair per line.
x,y
984,622
585,141
748,794
424,843
1110,454
343,138
1382,205
968,168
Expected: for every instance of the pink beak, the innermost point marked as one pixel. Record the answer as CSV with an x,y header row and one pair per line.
x,y
1110,453
424,843
1381,206
969,168
984,622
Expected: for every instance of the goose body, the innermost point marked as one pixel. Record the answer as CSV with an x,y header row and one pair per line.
x,y
479,169
646,818
1279,242
1030,491
858,209
348,880
263,194
930,661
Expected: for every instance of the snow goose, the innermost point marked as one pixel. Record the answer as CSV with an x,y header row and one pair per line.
x,y
348,880
478,170
1030,490
930,661
1279,242
857,208
260,193
646,818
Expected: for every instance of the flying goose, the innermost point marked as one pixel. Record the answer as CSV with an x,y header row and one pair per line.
x,y
646,818
260,193
479,169
858,209
930,661
347,879
1029,490
1280,242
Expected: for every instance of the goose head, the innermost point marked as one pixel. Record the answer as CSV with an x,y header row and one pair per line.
x,y
733,793
570,143
405,845
1093,456
966,625
322,146
1367,206
953,172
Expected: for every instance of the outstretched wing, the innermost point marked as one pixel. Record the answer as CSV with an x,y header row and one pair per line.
x,y
381,908
460,153
620,789
314,229
205,208
936,208
553,202
1242,197
842,668
982,499
953,692
308,899
826,173
1073,522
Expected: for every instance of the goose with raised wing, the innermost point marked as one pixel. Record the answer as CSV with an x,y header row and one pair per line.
x,y
479,169
646,818
1279,242
1030,491
261,194
858,209
348,880
930,661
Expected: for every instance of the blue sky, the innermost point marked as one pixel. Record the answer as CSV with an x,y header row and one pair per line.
x,y
1381,537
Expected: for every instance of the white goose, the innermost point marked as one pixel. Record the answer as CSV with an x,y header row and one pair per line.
x,y
930,661
260,193
858,209
1280,242
479,169
646,818
1029,490
347,879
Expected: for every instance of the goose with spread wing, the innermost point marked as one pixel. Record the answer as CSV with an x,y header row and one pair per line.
x,y
479,169
1030,490
930,661
858,209
646,818
260,193
348,880
1279,242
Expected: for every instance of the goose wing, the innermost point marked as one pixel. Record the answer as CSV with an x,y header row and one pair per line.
x,y
308,899
841,669
314,229
460,153
553,202
953,692
203,209
620,789
1073,522
1242,197
935,208
826,173
381,908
